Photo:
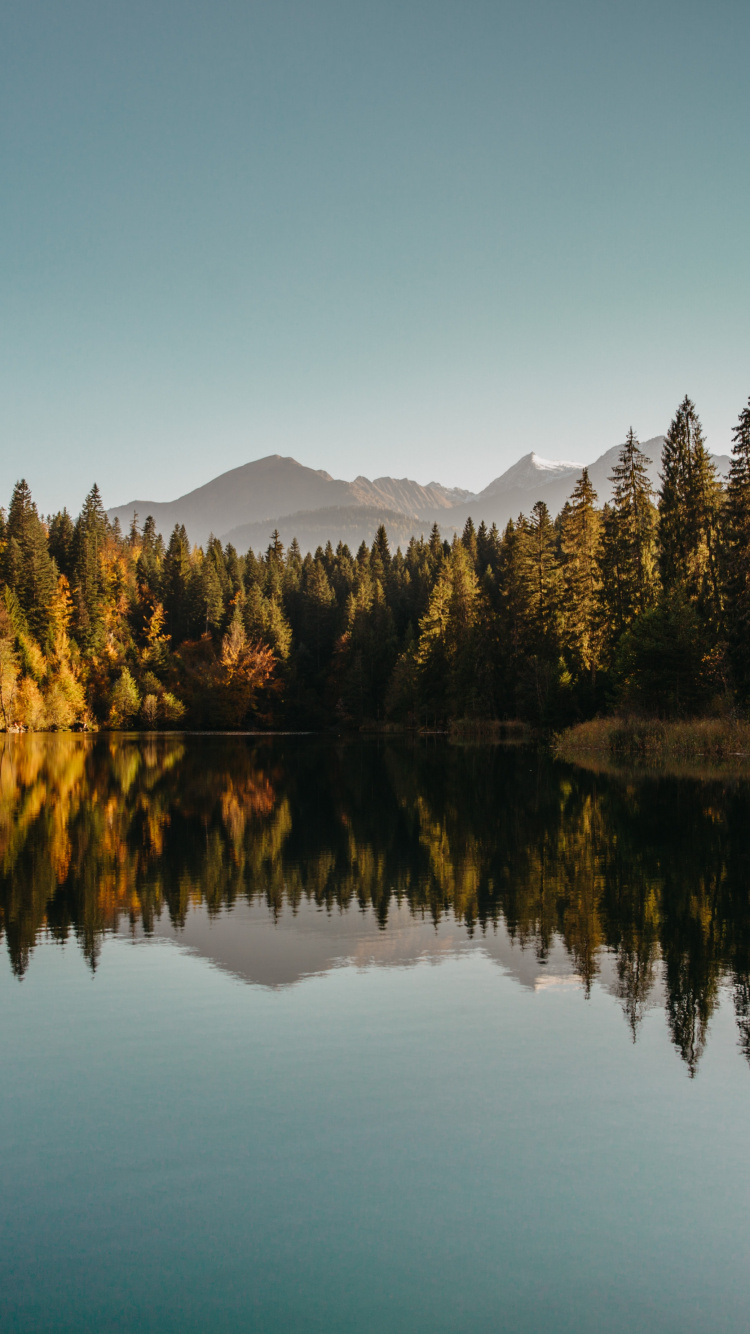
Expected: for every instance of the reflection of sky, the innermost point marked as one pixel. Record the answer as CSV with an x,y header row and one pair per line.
x,y
418,238
422,1149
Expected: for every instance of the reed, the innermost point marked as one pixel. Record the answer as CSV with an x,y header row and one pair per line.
x,y
654,740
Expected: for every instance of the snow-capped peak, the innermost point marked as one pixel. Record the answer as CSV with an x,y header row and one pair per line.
x,y
553,465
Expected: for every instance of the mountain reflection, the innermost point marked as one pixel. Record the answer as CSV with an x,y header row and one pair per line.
x,y
650,876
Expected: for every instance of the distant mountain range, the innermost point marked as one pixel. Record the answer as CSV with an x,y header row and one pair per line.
x,y
245,505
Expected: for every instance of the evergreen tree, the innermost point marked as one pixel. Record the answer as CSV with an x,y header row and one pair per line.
x,y
61,536
88,583
737,554
176,584
541,573
470,541
510,640
580,538
380,547
27,567
689,514
452,644
628,552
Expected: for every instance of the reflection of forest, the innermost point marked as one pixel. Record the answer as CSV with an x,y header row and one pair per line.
x,y
97,829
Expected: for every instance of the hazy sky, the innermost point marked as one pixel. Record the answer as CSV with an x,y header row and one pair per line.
x,y
411,237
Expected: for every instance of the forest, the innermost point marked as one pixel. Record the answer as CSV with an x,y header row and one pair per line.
x,y
639,606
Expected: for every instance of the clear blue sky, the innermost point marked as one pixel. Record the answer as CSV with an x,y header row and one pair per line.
x,y
398,237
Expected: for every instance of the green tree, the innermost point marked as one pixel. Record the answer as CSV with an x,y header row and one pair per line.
x,y
541,571
27,567
580,537
689,514
176,583
61,537
88,582
628,551
452,649
737,554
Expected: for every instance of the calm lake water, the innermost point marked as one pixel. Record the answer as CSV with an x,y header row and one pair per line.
x,y
304,1035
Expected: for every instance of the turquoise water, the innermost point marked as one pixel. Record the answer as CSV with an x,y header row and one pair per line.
x,y
410,1126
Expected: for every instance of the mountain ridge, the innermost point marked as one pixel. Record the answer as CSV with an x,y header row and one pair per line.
x,y
245,504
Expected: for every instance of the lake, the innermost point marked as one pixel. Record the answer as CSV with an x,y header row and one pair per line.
x,y
307,1034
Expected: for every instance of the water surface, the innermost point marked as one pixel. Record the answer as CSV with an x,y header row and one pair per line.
x,y
308,1035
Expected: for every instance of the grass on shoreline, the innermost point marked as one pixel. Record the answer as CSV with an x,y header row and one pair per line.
x,y
651,741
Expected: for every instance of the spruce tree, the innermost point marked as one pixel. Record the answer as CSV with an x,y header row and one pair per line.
x,y
579,539
88,581
510,639
737,554
689,514
628,552
176,585
61,534
381,548
27,567
542,578
470,541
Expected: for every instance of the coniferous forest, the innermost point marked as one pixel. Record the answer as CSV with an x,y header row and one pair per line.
x,y
641,605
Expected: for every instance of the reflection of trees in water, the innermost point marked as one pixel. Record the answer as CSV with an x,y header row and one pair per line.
x,y
97,830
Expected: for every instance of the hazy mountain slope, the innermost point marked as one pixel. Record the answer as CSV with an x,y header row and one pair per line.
x,y
516,490
278,486
529,474
245,505
313,528
258,490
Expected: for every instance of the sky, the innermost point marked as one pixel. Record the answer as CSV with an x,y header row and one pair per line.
x,y
409,237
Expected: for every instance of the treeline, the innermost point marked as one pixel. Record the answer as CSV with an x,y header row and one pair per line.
x,y
642,604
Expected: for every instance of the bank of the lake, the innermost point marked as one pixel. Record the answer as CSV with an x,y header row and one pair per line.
x,y
702,741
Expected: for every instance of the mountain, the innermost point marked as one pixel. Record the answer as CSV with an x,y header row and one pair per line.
x,y
265,493
256,491
244,505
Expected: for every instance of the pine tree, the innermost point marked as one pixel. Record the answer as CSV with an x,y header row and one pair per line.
x,y
380,547
88,583
580,539
737,554
689,514
27,567
510,638
61,534
318,613
542,578
628,552
451,644
435,546
176,583
470,541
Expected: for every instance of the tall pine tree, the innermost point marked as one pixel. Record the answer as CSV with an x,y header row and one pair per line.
x,y
628,553
689,514
580,535
27,567
737,554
